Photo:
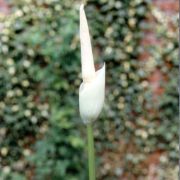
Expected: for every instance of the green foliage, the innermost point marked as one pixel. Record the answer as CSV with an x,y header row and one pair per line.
x,y
166,57
58,155
38,55
41,134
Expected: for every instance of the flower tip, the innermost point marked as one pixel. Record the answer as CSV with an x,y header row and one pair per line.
x,y
81,7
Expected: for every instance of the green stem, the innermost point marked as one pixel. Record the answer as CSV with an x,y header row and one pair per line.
x,y
91,154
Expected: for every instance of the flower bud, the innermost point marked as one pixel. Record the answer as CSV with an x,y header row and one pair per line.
x,y
92,89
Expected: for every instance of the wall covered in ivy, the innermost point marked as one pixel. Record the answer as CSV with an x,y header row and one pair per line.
x,y
41,133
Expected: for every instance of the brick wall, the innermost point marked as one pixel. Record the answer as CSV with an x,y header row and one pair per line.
x,y
4,9
169,8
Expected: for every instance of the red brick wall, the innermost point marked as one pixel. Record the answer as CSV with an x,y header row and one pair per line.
x,y
169,8
4,9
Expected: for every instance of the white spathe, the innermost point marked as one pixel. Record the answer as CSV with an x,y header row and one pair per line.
x,y
92,89
91,97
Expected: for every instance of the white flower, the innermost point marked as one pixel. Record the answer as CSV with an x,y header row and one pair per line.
x,y
27,113
15,108
92,89
26,63
10,61
6,169
10,93
4,151
12,70
25,83
34,120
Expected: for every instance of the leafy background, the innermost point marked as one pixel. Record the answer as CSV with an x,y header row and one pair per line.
x,y
41,133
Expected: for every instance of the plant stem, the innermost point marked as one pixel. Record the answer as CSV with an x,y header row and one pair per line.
x,y
91,154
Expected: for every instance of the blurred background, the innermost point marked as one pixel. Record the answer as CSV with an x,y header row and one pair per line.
x,y
41,134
